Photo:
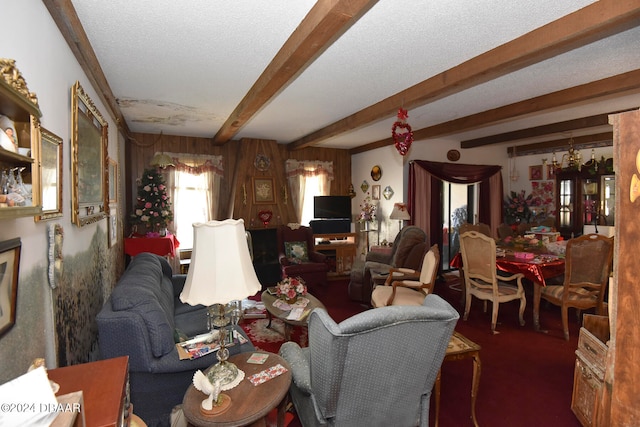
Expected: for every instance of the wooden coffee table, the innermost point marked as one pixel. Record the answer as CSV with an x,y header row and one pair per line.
x,y
249,404
268,300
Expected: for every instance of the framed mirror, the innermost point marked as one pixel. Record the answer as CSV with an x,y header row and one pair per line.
x,y
50,175
89,174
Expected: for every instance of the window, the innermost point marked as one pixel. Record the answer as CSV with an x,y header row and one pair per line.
x,y
190,205
311,189
194,187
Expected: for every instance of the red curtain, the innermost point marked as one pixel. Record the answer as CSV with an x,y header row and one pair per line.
x,y
425,193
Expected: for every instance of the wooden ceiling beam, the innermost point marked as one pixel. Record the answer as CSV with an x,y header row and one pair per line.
x,y
324,23
596,21
66,18
620,85
566,126
603,139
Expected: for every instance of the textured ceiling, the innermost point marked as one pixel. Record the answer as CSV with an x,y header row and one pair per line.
x,y
182,67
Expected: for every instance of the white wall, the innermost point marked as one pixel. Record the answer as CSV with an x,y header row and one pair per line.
x,y
395,170
30,36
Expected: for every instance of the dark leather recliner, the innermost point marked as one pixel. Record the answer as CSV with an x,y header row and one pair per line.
x,y
361,286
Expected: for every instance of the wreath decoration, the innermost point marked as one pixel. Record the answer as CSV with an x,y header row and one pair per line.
x,y
401,132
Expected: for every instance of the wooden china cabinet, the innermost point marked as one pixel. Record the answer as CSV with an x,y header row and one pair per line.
x,y
584,197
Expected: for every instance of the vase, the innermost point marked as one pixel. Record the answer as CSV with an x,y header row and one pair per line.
x,y
291,300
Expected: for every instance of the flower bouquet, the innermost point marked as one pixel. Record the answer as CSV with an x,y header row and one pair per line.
x,y
290,288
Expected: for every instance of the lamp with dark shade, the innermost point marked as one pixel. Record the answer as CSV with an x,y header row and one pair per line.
x,y
400,213
221,271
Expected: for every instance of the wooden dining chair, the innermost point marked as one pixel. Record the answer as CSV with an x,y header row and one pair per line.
x,y
412,286
587,266
482,280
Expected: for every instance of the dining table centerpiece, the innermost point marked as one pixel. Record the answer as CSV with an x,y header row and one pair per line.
x,y
291,288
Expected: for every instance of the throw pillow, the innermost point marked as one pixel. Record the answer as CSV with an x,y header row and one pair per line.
x,y
296,250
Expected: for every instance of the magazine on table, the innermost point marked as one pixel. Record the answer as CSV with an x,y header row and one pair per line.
x,y
203,344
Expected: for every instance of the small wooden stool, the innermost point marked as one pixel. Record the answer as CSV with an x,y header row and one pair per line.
x,y
461,347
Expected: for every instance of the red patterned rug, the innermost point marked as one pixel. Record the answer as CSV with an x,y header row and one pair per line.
x,y
270,339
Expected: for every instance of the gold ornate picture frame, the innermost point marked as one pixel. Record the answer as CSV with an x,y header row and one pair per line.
x,y
51,175
89,174
263,190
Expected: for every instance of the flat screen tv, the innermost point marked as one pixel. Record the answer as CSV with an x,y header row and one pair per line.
x,y
332,207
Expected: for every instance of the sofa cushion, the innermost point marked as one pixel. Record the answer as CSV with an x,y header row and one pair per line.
x,y
144,303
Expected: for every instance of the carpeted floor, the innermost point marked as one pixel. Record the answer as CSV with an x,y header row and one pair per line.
x,y
526,379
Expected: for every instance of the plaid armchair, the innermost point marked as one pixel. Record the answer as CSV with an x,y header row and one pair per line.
x,y
383,361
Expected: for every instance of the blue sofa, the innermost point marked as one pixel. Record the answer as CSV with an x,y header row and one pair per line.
x,y
140,320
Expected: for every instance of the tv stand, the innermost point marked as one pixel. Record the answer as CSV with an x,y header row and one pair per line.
x,y
340,249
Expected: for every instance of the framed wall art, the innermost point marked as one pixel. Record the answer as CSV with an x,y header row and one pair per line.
x,y
89,174
51,176
113,181
375,192
9,265
535,173
263,190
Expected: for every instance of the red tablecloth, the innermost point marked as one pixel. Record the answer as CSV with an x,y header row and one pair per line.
x,y
163,246
533,270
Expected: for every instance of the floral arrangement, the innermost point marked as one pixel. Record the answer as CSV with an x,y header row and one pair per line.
x,y
367,210
517,207
153,207
291,288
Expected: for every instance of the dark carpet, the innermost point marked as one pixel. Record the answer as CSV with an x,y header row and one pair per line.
x,y
527,376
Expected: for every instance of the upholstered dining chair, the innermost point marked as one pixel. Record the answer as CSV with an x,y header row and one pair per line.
x,y
586,275
482,280
380,363
298,257
479,227
412,286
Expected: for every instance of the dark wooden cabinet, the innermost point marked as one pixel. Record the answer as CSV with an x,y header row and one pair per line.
x,y
105,390
583,197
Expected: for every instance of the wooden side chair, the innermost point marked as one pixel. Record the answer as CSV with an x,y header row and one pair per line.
x,y
586,276
412,286
481,278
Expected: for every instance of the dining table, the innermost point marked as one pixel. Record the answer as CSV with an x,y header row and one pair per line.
x,y
537,269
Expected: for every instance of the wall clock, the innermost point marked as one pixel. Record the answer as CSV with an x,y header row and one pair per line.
x,y
453,155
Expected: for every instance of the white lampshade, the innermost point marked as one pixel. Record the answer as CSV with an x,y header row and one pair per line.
x,y
400,212
221,269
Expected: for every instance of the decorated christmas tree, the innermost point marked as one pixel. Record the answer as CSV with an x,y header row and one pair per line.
x,y
153,207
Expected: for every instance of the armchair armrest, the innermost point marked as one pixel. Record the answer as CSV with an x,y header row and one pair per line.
x,y
378,257
317,257
298,359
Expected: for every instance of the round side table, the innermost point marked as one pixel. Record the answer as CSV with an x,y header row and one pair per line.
x,y
249,403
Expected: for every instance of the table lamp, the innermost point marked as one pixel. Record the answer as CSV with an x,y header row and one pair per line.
x,y
400,213
221,271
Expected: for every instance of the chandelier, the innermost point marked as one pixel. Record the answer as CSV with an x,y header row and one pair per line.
x,y
572,157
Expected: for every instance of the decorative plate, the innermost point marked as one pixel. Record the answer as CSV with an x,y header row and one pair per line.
x,y
387,192
364,186
262,162
453,155
376,173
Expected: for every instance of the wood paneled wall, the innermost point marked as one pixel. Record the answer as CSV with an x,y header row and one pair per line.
x,y
239,171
